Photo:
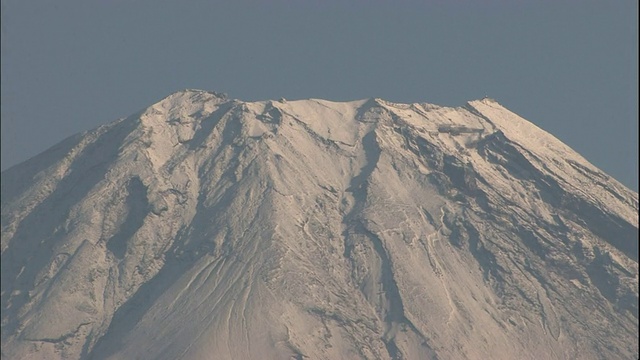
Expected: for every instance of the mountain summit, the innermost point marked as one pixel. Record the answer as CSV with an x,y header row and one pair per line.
x,y
205,227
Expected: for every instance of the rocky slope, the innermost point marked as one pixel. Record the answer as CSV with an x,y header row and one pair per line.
x,y
204,227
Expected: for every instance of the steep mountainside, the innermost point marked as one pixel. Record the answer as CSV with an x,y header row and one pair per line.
x,y
204,227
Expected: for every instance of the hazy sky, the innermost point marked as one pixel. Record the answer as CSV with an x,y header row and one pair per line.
x,y
571,67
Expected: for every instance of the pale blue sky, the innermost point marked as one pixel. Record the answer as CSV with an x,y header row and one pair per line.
x,y
571,67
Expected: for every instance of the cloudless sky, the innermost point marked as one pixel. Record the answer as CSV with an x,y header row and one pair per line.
x,y
570,67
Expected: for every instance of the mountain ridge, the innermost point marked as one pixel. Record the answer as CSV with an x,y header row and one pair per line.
x,y
311,228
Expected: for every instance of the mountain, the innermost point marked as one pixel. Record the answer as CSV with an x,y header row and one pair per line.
x,y
210,228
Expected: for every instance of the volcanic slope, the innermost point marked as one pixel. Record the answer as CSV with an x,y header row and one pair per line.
x,y
205,227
